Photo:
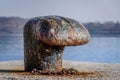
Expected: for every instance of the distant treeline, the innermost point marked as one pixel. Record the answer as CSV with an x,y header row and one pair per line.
x,y
14,25
11,25
103,29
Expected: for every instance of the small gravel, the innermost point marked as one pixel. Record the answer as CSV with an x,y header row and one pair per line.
x,y
71,71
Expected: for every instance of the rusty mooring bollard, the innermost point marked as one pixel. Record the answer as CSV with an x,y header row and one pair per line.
x,y
45,38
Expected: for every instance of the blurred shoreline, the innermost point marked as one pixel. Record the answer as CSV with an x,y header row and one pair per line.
x,y
11,34
92,35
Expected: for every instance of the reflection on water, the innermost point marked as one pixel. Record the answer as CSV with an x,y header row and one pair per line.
x,y
99,49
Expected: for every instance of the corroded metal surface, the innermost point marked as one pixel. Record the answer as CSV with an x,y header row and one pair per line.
x,y
41,56
45,38
59,31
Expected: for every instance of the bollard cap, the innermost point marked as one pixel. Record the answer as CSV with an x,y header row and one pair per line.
x,y
59,31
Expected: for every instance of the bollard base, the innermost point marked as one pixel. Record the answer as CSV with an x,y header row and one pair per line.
x,y
42,57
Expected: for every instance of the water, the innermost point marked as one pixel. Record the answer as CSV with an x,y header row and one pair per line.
x,y
99,49
11,47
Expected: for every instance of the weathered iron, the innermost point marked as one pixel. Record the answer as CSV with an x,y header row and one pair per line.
x,y
45,38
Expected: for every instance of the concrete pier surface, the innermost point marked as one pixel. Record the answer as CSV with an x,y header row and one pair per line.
x,y
14,70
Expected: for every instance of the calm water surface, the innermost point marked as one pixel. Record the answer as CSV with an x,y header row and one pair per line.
x,y
99,49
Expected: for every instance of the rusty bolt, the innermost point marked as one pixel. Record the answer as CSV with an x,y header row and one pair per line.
x,y
45,38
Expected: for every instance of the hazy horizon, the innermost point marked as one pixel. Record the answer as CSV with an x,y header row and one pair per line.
x,y
81,10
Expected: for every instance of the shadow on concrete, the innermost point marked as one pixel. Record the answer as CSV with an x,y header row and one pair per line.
x,y
2,70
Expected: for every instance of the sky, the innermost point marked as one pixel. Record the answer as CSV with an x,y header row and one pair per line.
x,y
80,10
